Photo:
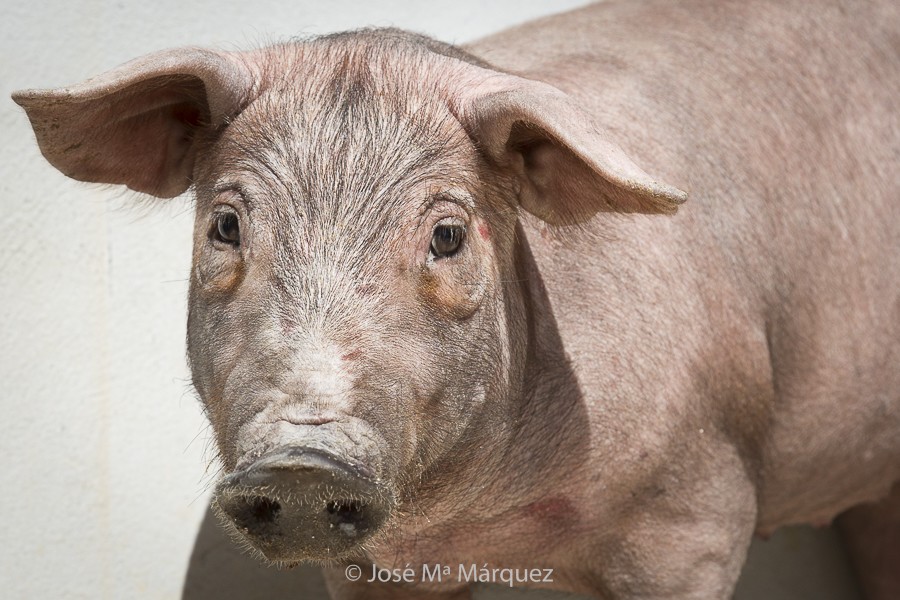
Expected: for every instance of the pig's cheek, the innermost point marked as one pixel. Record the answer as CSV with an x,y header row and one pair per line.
x,y
200,345
219,272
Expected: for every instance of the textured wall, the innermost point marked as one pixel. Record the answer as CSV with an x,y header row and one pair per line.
x,y
104,446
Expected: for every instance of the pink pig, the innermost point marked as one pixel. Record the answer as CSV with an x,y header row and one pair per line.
x,y
443,310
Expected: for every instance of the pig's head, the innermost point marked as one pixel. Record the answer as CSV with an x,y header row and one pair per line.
x,y
358,322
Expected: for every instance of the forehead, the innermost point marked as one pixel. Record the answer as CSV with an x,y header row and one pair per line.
x,y
342,128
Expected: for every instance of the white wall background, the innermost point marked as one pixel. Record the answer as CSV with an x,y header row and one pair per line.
x,y
103,486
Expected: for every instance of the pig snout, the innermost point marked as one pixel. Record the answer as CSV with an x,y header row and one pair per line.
x,y
297,502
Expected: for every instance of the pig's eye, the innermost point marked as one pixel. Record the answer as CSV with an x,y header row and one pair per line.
x,y
446,239
227,230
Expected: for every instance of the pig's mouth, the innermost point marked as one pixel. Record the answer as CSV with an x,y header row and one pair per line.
x,y
298,503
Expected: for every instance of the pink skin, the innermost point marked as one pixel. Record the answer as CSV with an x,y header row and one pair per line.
x,y
586,384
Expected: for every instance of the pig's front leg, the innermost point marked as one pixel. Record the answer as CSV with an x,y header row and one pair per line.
x,y
685,537
340,587
872,535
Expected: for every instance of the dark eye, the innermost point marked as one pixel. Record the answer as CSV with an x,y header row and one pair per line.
x,y
446,239
227,229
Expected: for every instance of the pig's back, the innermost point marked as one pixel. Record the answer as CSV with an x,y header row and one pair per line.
x,y
781,120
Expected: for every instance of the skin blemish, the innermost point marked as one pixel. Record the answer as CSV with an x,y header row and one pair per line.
x,y
351,355
288,325
485,231
555,511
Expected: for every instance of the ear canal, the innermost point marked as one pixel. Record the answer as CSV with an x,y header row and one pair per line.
x,y
569,169
137,124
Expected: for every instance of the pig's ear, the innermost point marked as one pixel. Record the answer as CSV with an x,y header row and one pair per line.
x,y
568,168
137,124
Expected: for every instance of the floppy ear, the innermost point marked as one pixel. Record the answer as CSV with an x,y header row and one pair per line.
x,y
137,124
569,169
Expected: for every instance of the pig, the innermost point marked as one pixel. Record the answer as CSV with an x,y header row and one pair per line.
x,y
445,309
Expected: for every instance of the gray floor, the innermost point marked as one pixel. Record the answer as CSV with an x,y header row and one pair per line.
x,y
797,563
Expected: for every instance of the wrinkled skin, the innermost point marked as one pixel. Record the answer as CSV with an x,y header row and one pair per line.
x,y
586,383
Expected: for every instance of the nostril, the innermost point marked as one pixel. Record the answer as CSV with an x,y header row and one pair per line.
x,y
347,515
252,513
264,510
